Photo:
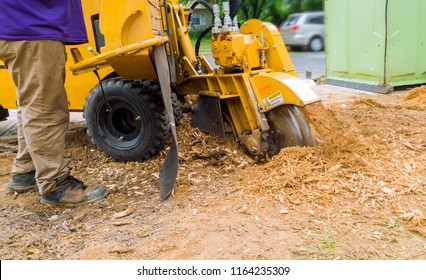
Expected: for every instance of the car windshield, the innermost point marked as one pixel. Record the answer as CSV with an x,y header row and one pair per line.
x,y
292,19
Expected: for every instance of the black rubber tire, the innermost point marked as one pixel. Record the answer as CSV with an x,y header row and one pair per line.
x,y
177,108
4,113
287,128
136,128
176,103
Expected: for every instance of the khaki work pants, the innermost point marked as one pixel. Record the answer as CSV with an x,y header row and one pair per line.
x,y
38,70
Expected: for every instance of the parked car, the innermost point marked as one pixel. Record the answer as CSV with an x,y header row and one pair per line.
x,y
304,29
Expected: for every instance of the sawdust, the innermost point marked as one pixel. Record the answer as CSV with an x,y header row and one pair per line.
x,y
359,194
334,137
371,149
415,98
338,148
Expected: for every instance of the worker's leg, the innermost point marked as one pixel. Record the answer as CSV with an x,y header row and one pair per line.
x,y
23,162
38,69
23,169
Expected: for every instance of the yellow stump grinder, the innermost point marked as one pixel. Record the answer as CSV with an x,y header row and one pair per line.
x,y
249,81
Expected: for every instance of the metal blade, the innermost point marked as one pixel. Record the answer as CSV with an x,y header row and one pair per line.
x,y
170,166
208,115
288,128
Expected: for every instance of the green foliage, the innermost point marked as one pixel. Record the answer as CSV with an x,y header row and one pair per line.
x,y
303,5
205,42
328,241
398,222
204,46
253,8
184,2
277,12
274,11
265,10
312,5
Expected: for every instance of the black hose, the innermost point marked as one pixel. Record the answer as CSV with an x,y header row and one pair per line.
x,y
198,43
204,3
234,6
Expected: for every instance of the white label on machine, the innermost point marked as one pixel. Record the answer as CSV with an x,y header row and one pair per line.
x,y
273,99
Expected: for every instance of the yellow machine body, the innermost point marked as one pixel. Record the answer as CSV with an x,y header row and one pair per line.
x,y
126,22
255,75
253,72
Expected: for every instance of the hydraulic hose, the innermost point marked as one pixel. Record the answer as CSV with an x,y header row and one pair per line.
x,y
204,3
235,6
198,42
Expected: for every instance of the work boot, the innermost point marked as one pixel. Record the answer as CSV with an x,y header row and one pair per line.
x,y
22,182
72,192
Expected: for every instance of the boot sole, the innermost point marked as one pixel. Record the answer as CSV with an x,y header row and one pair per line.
x,y
22,189
54,203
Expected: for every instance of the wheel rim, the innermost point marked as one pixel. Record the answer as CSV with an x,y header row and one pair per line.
x,y
121,124
124,121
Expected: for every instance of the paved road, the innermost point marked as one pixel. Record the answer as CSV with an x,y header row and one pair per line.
x,y
309,61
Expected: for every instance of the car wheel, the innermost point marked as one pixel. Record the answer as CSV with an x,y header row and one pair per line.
x,y
316,44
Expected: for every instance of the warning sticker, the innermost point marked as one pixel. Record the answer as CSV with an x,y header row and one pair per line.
x,y
266,90
274,99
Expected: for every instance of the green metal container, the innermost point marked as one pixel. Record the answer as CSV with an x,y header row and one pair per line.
x,y
375,45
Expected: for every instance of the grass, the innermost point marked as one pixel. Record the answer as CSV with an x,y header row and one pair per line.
x,y
328,242
205,43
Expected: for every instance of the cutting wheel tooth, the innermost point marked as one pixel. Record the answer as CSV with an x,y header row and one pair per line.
x,y
288,128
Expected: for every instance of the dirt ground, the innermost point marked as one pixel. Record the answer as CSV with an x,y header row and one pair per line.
x,y
359,194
